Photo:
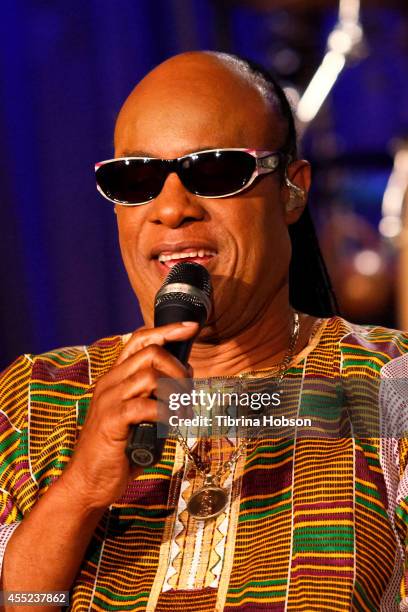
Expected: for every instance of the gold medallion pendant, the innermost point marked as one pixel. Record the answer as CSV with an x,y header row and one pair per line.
x,y
208,502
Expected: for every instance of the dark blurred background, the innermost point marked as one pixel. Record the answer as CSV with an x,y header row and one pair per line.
x,y
65,69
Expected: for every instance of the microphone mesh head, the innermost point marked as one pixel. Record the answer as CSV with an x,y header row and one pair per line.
x,y
190,273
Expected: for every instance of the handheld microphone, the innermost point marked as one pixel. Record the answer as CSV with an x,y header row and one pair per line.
x,y
184,296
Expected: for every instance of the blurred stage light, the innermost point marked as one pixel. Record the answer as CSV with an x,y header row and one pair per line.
x,y
320,86
293,95
286,61
390,225
341,43
368,262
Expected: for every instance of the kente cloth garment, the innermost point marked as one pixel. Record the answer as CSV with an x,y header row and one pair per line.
x,y
312,523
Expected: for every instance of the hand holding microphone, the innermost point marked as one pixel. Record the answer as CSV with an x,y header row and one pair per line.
x,y
184,296
100,470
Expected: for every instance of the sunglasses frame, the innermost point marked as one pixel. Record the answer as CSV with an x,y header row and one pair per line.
x,y
266,163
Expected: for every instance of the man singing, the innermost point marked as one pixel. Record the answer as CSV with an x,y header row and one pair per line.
x,y
309,523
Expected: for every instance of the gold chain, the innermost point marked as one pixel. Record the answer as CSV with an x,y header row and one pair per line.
x,y
237,452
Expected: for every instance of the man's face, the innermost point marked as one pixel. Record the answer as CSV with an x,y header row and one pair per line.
x,y
190,104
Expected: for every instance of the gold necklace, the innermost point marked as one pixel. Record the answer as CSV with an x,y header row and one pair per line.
x,y
210,500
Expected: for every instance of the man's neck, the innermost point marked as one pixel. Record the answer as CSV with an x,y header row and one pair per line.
x,y
263,343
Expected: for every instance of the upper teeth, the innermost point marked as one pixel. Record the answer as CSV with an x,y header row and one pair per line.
x,y
176,255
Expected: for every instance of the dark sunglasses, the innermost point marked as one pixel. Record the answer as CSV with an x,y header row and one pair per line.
x,y
215,173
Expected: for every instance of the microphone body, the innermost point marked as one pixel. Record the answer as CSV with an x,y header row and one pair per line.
x,y
184,296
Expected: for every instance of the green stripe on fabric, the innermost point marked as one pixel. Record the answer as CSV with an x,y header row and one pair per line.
x,y
12,437
328,412
274,448
357,606
63,358
54,401
11,456
372,365
254,517
374,462
259,595
358,351
367,447
305,546
364,596
83,407
258,583
46,482
317,538
59,388
56,465
120,606
402,513
261,503
258,459
156,470
371,506
118,597
368,490
324,539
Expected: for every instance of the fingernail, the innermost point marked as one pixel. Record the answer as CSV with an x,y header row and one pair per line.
x,y
176,332
189,323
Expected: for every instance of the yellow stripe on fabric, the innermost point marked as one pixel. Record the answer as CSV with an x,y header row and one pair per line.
x,y
261,466
341,522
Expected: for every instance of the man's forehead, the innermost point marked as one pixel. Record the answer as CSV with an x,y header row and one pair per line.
x,y
193,93
172,133
201,69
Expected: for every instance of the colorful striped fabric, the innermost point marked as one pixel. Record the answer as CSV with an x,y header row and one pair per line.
x,y
313,523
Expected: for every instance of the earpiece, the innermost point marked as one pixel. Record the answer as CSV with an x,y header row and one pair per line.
x,y
297,195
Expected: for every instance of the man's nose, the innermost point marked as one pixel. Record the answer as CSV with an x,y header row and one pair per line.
x,y
174,205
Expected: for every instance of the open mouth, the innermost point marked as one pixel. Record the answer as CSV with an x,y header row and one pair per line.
x,y
168,259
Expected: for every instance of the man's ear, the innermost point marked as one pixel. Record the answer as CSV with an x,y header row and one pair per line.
x,y
295,189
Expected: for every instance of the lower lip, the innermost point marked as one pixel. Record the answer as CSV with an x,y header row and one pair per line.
x,y
165,267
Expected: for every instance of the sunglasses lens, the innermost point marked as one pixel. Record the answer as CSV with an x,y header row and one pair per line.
x,y
131,181
217,173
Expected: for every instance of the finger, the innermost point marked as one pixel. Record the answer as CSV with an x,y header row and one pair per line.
x,y
148,382
127,413
134,411
157,335
145,383
142,383
152,357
